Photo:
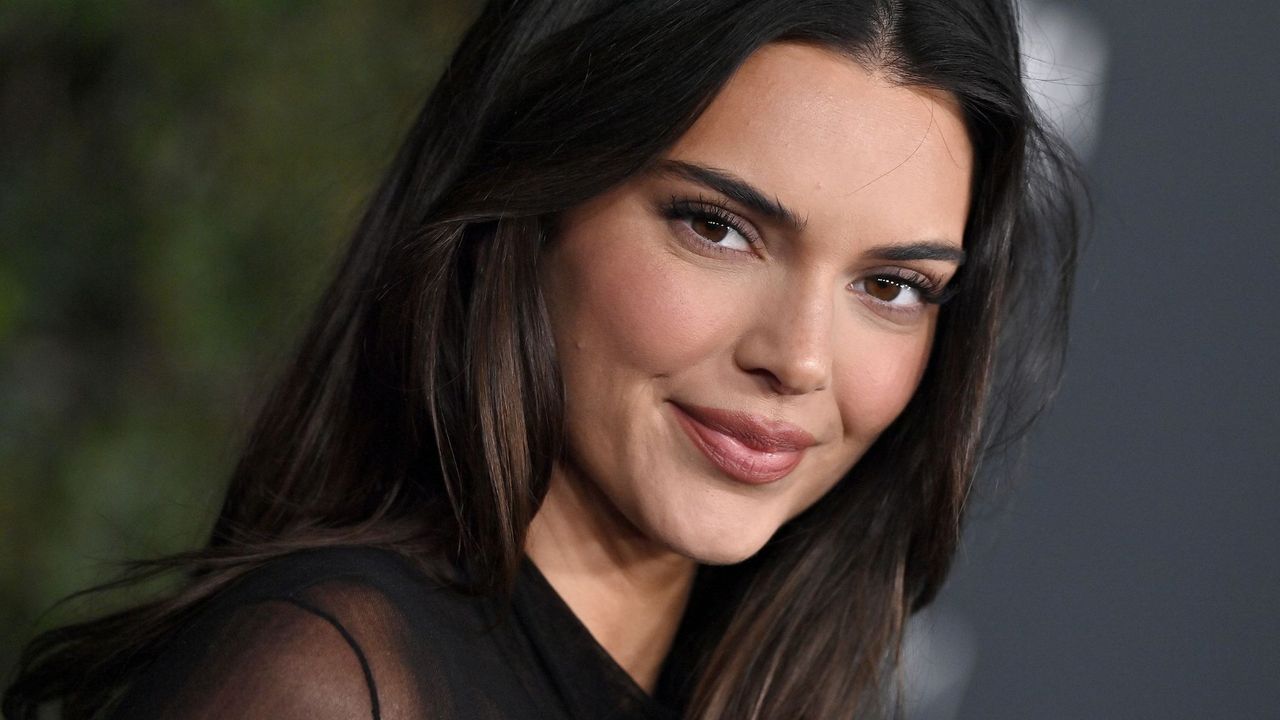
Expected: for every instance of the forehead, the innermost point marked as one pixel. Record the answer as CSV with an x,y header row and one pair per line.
x,y
849,150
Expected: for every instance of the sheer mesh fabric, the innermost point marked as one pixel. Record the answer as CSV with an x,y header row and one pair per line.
x,y
363,633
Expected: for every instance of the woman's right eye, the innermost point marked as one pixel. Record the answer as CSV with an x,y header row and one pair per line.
x,y
709,226
718,233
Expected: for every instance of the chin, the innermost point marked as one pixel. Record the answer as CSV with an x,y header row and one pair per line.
x,y
715,543
727,556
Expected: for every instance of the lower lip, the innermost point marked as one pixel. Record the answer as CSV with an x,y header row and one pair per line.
x,y
744,464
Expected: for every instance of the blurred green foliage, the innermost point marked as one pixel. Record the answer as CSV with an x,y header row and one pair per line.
x,y
176,180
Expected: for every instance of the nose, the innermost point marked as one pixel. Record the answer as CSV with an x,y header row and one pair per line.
x,y
788,341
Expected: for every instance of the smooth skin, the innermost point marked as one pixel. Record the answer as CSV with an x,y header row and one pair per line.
x,y
667,291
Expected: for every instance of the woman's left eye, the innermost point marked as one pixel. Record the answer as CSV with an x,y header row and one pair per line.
x,y
895,293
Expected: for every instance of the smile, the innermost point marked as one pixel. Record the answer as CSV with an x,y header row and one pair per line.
x,y
748,449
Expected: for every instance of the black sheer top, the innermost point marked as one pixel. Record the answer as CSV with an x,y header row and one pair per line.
x,y
365,633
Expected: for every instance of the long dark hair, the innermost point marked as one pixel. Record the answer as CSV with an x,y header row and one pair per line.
x,y
423,410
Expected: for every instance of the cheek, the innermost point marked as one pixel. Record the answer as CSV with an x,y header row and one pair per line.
x,y
619,303
875,380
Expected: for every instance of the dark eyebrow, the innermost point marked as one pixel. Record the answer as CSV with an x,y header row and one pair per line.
x,y
736,189
927,250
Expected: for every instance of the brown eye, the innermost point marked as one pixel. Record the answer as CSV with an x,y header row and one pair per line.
x,y
708,227
713,231
883,289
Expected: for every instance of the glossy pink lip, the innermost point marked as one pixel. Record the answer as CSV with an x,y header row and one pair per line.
x,y
747,448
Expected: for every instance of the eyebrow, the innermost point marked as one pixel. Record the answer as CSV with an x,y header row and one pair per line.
x,y
737,190
752,198
926,250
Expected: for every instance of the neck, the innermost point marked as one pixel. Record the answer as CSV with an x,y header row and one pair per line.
x,y
627,590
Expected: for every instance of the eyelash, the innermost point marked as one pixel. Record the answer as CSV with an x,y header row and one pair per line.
x,y
929,288
701,209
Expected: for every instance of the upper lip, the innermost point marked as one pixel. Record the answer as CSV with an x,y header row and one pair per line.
x,y
754,431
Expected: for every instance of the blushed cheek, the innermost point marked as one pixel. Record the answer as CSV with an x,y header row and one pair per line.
x,y
645,310
877,382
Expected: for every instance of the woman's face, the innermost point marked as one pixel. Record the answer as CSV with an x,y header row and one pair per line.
x,y
738,325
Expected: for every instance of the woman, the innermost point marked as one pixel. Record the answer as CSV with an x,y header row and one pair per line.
x,y
653,384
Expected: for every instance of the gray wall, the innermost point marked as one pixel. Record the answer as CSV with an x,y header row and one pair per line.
x,y
1134,570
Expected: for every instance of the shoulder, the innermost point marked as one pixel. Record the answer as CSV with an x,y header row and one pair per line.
x,y
268,659
312,634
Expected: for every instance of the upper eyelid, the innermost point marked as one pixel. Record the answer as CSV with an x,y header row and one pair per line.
x,y
720,213
908,275
933,290
735,189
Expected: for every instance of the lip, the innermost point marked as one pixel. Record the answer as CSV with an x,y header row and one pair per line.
x,y
747,448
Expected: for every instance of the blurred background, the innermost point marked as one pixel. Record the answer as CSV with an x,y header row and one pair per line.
x,y
177,178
